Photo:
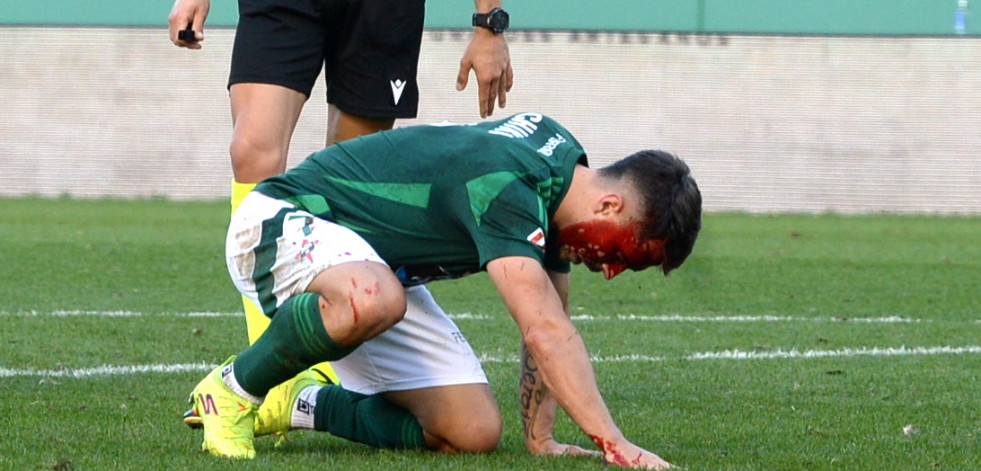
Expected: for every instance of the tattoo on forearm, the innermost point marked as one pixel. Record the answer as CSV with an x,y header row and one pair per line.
x,y
532,391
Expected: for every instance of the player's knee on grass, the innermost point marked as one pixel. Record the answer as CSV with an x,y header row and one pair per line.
x,y
457,419
479,433
472,434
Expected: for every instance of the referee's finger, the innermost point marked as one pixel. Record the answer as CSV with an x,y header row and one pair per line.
x,y
492,95
502,93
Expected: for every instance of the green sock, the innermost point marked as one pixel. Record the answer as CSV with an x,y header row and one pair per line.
x,y
371,420
295,340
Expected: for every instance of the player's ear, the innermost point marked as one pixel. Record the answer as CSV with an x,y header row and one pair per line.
x,y
609,204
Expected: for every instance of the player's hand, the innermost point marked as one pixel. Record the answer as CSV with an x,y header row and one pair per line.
x,y
488,56
628,455
188,14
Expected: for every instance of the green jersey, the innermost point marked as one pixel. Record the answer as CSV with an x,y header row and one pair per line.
x,y
440,201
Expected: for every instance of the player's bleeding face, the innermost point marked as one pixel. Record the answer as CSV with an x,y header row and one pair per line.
x,y
609,247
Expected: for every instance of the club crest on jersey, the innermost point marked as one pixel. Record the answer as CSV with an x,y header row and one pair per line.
x,y
537,237
306,249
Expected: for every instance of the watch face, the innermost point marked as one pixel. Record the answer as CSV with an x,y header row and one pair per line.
x,y
499,21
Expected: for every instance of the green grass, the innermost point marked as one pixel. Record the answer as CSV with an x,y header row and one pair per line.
x,y
766,286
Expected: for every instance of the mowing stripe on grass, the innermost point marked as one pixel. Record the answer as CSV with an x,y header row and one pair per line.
x,y
115,370
472,316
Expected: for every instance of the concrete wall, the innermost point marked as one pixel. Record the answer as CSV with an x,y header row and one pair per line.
x,y
768,123
848,17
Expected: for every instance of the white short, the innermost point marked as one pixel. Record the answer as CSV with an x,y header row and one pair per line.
x,y
425,349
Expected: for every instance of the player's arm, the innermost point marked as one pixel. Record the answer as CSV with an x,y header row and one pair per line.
x,y
538,406
561,357
188,15
490,59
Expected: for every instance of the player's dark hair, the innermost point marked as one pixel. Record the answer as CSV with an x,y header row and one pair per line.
x,y
671,200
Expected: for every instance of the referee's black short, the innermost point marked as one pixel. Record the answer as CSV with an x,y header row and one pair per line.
x,y
369,50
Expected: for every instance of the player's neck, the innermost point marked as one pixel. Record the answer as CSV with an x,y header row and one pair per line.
x,y
576,204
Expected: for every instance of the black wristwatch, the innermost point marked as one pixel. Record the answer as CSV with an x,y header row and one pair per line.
x,y
496,20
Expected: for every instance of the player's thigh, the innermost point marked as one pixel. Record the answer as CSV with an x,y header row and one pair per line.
x,y
275,250
462,418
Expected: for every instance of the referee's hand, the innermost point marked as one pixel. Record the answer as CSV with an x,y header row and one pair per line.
x,y
488,56
187,22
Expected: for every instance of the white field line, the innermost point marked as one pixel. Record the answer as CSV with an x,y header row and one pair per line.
x,y
106,370
117,370
110,370
472,316
79,313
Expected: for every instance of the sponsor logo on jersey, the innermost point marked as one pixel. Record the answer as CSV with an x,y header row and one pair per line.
x,y
519,126
537,237
398,85
551,144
